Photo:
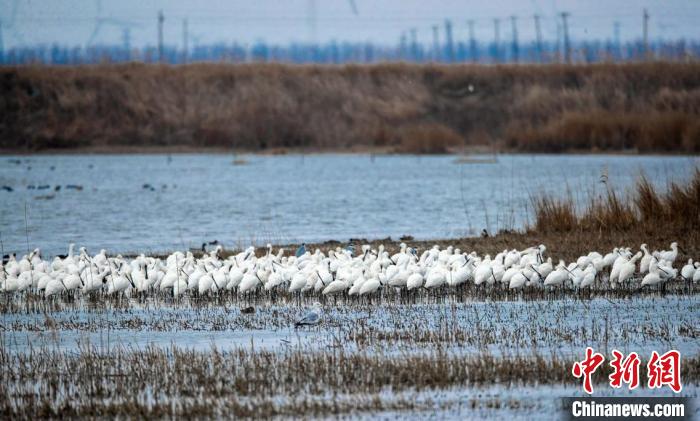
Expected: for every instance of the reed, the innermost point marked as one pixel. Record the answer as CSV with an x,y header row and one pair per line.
x,y
645,210
397,107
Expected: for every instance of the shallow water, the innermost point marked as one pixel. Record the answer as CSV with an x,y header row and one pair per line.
x,y
134,203
111,339
559,327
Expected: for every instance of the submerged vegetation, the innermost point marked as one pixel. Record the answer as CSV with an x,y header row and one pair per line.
x,y
392,107
178,382
362,358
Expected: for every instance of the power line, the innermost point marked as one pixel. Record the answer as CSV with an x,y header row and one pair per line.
x,y
208,18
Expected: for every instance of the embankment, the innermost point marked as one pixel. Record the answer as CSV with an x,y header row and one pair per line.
x,y
644,107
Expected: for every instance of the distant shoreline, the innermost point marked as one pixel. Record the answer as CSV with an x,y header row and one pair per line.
x,y
185,150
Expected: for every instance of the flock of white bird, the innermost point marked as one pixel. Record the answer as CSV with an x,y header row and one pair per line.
x,y
338,271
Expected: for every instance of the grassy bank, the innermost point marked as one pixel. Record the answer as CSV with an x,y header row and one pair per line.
x,y
645,107
643,210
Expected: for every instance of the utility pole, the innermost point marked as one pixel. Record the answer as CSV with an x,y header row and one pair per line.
x,y
126,39
448,41
414,44
161,19
645,34
2,45
185,41
514,28
558,49
567,46
538,38
616,32
402,46
436,43
472,41
496,40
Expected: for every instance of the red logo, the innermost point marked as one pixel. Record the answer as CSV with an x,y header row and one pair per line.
x,y
587,367
665,370
625,370
662,370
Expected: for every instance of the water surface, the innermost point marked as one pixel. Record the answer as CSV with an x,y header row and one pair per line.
x,y
148,203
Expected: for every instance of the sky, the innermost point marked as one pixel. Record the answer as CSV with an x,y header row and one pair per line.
x,y
75,22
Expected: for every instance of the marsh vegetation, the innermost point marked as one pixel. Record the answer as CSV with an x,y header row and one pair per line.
x,y
405,108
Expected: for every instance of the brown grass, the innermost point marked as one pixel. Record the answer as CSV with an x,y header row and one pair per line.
x,y
428,138
603,130
398,107
552,215
645,211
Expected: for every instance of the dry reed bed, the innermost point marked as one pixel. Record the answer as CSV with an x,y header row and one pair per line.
x,y
395,107
174,381
643,210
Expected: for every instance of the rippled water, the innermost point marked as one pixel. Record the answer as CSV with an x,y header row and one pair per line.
x,y
133,203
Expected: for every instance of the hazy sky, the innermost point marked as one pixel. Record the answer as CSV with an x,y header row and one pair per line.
x,y
72,22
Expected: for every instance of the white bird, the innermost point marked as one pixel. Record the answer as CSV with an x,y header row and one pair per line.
x,y
414,281
696,276
274,280
653,277
627,268
435,278
483,272
558,276
518,280
335,287
688,271
588,276
369,286
298,282
670,255
333,272
646,259
250,282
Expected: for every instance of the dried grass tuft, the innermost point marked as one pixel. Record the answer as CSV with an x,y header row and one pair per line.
x,y
645,209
